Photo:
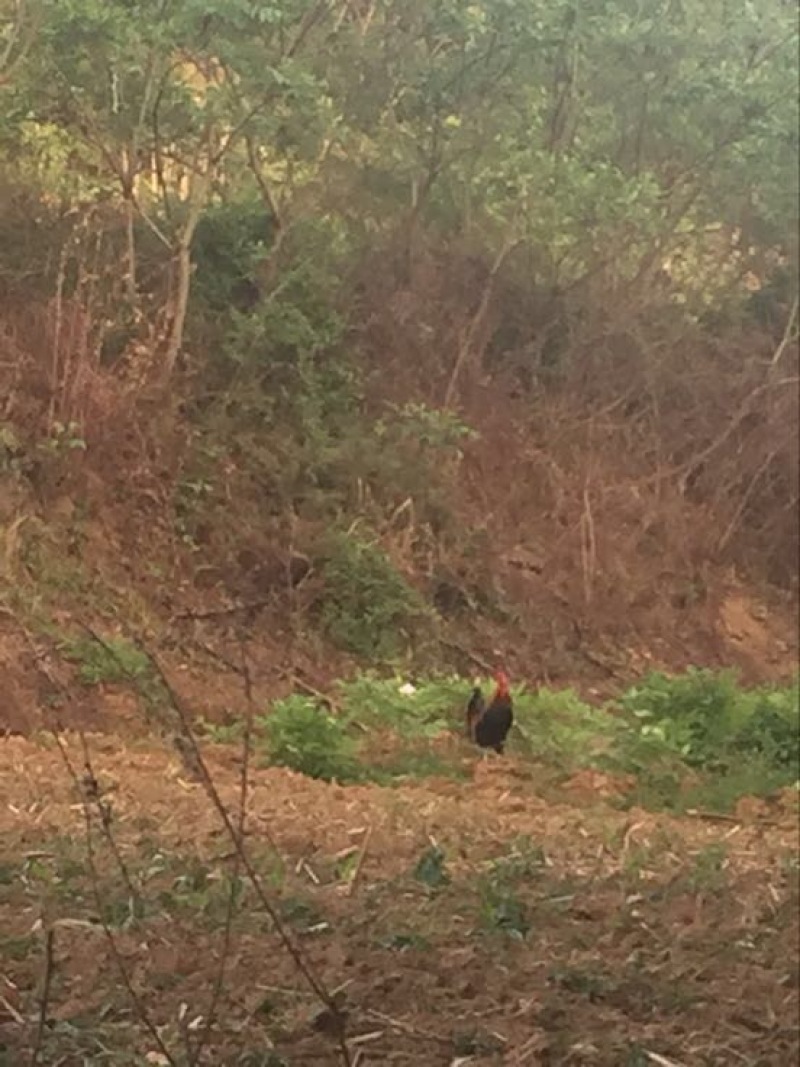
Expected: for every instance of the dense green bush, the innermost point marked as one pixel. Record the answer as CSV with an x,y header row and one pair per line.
x,y
305,737
368,608
231,243
713,723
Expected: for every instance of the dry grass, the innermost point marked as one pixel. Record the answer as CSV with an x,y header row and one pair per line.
x,y
647,936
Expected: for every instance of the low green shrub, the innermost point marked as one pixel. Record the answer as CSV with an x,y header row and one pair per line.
x,y
695,740
714,724
368,608
302,735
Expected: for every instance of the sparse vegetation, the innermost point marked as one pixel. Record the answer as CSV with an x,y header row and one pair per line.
x,y
114,660
379,341
698,739
451,918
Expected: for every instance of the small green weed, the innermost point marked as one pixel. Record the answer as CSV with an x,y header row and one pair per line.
x,y
524,860
592,984
228,733
191,499
64,438
403,941
709,870
431,868
501,908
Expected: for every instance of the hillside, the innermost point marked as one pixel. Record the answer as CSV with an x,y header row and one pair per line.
x,y
349,350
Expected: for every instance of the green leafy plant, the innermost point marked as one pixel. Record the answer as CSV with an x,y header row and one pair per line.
x,y
65,438
368,608
431,868
424,711
502,909
114,660
708,872
715,724
305,737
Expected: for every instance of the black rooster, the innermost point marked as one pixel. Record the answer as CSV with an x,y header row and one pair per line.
x,y
488,726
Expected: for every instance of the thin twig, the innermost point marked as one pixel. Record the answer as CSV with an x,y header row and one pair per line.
x,y
479,661
718,816
297,955
44,998
12,1011
244,786
468,336
217,613
661,1061
361,856
788,335
91,791
407,1028
139,1008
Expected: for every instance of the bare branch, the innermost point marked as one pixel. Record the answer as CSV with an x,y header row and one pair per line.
x,y
48,969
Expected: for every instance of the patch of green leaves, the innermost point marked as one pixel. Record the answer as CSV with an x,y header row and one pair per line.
x,y
410,711
431,869
302,735
712,744
113,660
368,608
709,719
502,908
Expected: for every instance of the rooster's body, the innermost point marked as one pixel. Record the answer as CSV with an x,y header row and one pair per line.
x,y
488,725
475,709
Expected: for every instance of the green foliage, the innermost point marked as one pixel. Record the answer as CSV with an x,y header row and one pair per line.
x,y
415,465
771,727
557,726
431,868
387,729
286,391
192,497
411,712
503,910
708,872
231,242
713,723
368,608
431,428
307,738
525,860
115,660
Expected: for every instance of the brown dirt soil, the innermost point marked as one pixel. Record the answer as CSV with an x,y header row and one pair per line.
x,y
649,939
